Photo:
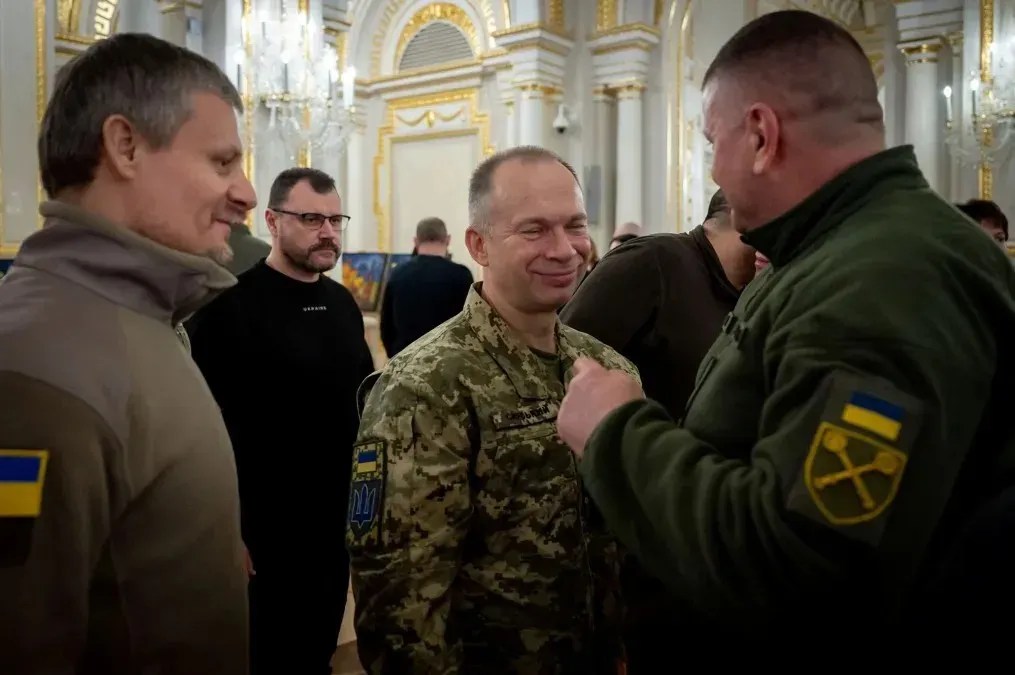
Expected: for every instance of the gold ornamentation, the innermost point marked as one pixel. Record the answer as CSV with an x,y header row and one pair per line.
x,y
248,106
63,15
76,39
41,81
391,9
626,28
986,174
431,117
506,5
438,11
606,15
479,123
555,15
678,183
657,12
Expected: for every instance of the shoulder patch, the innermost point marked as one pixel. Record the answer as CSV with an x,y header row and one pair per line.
x,y
857,457
22,473
366,493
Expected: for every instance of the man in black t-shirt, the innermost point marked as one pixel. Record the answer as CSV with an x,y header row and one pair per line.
x,y
424,292
284,353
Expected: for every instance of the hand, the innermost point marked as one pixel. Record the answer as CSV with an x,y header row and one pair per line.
x,y
593,394
248,562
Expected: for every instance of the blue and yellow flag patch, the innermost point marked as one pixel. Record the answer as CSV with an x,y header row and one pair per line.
x,y
22,473
856,454
873,414
366,493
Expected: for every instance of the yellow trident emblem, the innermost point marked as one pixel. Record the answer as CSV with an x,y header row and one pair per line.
x,y
851,477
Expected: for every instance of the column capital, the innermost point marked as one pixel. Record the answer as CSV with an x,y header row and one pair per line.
x,y
537,56
621,56
921,51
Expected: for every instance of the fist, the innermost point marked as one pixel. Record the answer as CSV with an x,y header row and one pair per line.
x,y
593,394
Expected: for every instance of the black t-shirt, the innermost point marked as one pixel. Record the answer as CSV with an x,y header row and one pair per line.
x,y
284,359
422,294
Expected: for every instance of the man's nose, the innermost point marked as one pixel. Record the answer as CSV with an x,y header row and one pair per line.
x,y
561,247
242,193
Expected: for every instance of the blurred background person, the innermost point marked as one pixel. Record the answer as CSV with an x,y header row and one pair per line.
x,y
989,216
424,292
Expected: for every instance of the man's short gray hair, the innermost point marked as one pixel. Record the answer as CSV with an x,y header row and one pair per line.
x,y
431,230
147,80
481,183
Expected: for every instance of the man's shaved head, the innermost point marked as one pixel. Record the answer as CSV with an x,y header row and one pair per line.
x,y
804,66
790,102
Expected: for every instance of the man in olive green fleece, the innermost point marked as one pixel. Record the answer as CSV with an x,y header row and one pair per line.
x,y
120,548
853,414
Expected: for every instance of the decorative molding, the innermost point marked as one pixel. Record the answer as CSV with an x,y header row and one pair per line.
x,y
477,123
431,117
530,27
438,11
626,28
106,16
606,14
985,174
41,81
249,111
555,14
64,12
392,8
925,51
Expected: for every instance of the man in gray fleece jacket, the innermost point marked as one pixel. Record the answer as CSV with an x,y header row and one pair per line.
x,y
120,547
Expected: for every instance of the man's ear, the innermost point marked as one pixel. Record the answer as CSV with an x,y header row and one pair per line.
x,y
765,130
477,245
121,142
269,218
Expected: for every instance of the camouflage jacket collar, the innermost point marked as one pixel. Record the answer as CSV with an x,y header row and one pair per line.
x,y
510,351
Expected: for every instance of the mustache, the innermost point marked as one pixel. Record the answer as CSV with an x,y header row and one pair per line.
x,y
324,246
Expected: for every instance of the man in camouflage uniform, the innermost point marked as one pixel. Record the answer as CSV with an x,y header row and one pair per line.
x,y
470,537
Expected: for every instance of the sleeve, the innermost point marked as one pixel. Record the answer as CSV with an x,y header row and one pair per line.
x,y
858,380
214,341
409,513
604,306
59,480
387,320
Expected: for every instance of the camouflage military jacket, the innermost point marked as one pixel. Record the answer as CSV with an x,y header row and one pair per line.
x,y
468,531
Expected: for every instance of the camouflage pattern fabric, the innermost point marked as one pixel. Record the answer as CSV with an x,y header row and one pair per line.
x,y
469,533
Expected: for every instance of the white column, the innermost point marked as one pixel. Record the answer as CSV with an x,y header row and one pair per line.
x,y
362,232
510,124
924,120
629,154
532,115
604,158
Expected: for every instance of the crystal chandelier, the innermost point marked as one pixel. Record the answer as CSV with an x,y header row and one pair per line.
x,y
294,75
985,138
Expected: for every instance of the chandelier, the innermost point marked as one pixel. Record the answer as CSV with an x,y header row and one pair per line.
x,y
293,74
985,137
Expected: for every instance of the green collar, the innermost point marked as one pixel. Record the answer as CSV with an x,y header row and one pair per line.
x,y
785,237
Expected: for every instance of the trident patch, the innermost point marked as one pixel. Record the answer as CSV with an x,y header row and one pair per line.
x,y
366,494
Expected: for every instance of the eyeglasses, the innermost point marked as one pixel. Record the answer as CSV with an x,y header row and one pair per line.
x,y
315,221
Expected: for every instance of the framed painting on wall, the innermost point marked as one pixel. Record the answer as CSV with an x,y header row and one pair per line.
x,y
394,260
363,275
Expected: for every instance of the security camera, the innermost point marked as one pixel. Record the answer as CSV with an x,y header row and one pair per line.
x,y
560,122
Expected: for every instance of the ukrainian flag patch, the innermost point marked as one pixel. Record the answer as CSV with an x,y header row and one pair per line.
x,y
873,414
22,474
366,493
